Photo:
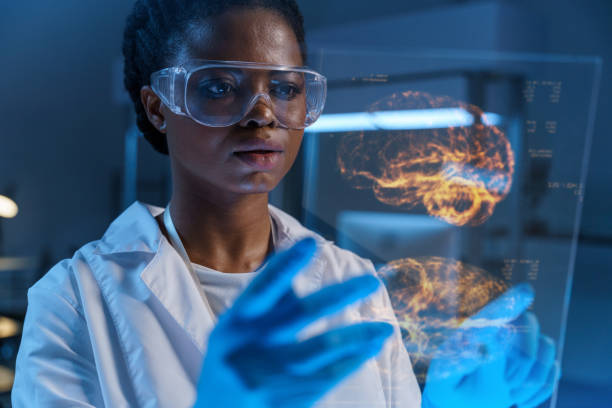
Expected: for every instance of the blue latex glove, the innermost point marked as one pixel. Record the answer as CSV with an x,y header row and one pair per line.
x,y
254,359
506,363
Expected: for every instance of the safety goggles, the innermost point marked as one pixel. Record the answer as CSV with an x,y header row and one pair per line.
x,y
221,93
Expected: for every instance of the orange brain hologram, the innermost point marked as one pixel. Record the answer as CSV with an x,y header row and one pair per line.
x,y
458,174
431,297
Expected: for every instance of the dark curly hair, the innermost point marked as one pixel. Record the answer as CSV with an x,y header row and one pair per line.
x,y
155,30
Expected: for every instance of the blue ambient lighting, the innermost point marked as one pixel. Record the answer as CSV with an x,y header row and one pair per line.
x,y
399,120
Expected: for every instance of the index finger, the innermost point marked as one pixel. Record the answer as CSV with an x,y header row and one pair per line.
x,y
274,281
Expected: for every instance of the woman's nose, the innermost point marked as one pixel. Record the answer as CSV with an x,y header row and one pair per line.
x,y
260,114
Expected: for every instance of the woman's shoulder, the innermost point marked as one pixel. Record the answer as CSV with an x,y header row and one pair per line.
x,y
61,282
133,231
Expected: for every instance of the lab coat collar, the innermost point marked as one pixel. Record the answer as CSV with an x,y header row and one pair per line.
x,y
135,230
165,273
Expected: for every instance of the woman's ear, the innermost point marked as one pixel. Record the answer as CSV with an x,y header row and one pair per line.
x,y
153,107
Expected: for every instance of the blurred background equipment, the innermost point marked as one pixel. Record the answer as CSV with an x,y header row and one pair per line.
x,y
8,208
384,236
6,379
10,329
9,332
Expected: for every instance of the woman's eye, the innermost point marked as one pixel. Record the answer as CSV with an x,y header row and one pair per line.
x,y
285,90
216,88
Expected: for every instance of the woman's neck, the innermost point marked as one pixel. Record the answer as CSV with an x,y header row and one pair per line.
x,y
225,232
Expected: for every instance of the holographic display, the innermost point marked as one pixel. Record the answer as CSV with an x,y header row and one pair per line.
x,y
460,175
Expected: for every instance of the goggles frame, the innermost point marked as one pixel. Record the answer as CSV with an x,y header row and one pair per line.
x,y
171,85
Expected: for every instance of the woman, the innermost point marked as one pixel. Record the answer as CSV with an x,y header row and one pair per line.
x,y
128,321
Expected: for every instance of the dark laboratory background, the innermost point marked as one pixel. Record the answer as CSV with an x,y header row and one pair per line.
x,y
67,143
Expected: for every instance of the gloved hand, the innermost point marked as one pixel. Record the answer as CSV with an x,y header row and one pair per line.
x,y
503,359
254,358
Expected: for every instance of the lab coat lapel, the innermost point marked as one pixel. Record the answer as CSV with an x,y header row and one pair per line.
x,y
168,278
141,277
159,267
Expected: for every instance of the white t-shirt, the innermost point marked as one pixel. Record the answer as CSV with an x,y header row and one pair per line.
x,y
221,288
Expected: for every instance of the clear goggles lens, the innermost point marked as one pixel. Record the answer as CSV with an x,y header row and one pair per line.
x,y
222,93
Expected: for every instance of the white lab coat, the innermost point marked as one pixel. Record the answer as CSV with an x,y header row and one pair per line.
x,y
123,324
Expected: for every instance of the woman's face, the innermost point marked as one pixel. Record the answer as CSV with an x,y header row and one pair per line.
x,y
209,158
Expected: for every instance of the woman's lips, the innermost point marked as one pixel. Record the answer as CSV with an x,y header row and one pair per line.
x,y
260,159
256,144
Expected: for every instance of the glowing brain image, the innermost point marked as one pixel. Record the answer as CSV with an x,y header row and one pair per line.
x,y
432,297
458,174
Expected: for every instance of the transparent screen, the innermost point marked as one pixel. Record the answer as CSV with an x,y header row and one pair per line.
x,y
459,175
